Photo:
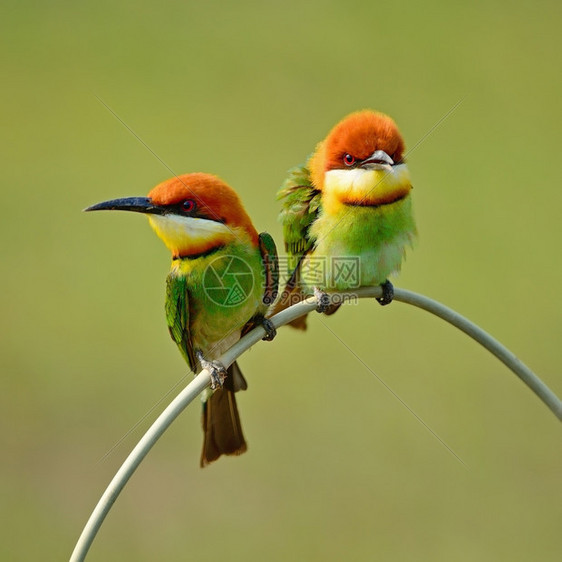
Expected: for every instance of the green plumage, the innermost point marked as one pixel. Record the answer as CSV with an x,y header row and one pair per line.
x,y
301,204
211,298
376,237
177,316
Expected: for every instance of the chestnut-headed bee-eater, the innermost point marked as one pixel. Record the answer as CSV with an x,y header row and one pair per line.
x,y
223,278
351,201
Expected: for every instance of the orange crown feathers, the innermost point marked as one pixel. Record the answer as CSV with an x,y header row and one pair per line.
x,y
358,134
213,197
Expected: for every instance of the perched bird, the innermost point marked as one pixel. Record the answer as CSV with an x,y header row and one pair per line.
x,y
347,214
223,278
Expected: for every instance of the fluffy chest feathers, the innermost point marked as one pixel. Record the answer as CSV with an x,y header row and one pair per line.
x,y
377,237
224,290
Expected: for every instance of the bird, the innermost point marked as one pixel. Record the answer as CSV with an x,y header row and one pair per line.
x,y
223,278
347,213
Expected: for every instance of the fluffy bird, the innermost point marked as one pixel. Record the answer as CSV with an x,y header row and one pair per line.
x,y
347,214
223,278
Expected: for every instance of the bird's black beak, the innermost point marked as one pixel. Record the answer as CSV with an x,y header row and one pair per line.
x,y
136,204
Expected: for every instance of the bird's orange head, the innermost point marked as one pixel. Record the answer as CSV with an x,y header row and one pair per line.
x,y
192,213
361,161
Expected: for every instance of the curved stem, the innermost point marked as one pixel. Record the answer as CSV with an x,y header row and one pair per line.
x,y
487,341
202,380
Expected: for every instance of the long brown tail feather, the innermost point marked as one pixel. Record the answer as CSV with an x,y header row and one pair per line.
x,y
222,430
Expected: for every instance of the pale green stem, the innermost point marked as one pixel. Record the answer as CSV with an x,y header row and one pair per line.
x,y
202,380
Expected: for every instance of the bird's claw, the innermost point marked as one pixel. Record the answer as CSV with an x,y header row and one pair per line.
x,y
322,300
218,374
270,331
387,293
216,369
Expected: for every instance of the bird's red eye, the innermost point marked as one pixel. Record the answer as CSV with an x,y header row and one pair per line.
x,y
188,206
349,160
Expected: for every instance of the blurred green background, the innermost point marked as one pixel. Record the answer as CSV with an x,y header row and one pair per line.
x,y
337,468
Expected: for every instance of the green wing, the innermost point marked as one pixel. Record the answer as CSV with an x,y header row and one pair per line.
x,y
177,315
270,262
300,208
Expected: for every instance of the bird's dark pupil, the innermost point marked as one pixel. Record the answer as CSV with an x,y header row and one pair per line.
x,y
188,205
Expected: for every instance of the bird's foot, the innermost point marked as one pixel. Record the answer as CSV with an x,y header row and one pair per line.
x,y
322,300
387,293
217,370
270,331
